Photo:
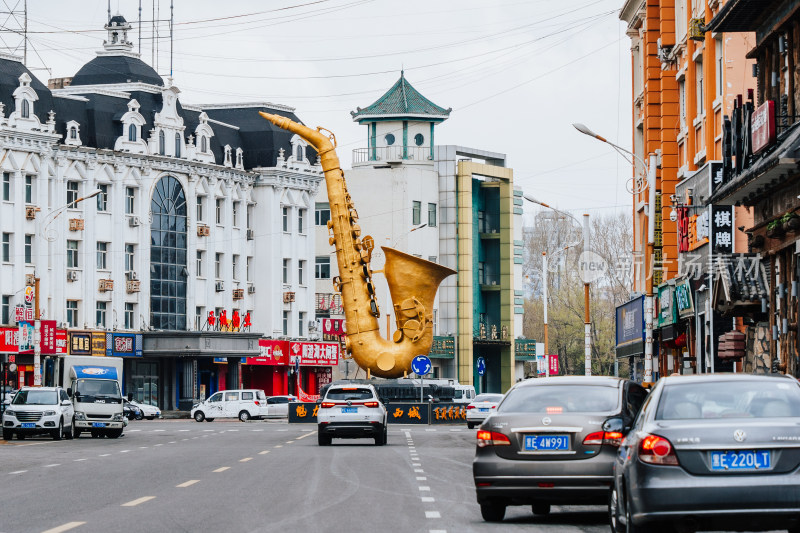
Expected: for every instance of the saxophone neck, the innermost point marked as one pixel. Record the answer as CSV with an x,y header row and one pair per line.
x,y
324,144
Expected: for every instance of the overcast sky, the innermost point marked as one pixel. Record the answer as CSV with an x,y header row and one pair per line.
x,y
517,73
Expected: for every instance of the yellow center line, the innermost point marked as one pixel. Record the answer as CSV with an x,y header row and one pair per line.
x,y
137,501
222,469
245,459
187,483
64,527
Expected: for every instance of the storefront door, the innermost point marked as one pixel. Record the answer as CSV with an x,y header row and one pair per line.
x,y
145,382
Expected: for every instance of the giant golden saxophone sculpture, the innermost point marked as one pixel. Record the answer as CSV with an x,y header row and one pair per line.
x,y
412,281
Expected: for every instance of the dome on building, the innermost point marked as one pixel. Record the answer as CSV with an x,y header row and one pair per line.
x,y
118,19
116,69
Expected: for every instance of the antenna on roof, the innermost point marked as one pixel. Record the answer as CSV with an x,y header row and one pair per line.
x,y
15,26
109,12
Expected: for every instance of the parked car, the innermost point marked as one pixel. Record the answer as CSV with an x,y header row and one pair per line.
x,y
243,404
148,411
553,441
278,406
131,412
481,407
38,410
716,451
351,412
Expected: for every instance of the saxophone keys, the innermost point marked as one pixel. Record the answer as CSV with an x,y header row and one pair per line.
x,y
331,240
397,336
356,231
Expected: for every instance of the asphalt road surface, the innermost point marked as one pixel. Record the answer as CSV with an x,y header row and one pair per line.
x,y
228,476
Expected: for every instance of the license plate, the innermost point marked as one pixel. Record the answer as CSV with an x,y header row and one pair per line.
x,y
349,409
28,425
483,409
538,443
741,460
98,424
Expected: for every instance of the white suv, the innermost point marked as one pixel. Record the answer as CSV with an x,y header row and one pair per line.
x,y
351,411
37,410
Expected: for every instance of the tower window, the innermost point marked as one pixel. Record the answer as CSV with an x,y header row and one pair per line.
x,y
419,139
73,133
389,139
203,144
132,132
299,156
178,144
162,148
26,109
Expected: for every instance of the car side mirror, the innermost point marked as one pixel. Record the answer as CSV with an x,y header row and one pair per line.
x,y
615,425
66,403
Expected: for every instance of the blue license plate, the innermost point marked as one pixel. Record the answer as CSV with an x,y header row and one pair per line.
x,y
741,460
98,424
349,409
28,425
483,409
539,443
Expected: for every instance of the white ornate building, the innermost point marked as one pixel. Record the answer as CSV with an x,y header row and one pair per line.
x,y
202,208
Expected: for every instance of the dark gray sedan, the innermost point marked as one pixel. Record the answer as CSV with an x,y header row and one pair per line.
x,y
717,451
553,440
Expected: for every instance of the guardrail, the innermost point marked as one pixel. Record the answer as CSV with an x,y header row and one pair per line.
x,y
391,153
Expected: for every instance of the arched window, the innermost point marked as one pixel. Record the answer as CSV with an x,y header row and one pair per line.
x,y
299,156
168,271
419,139
132,132
26,109
178,143
73,132
162,143
203,144
239,158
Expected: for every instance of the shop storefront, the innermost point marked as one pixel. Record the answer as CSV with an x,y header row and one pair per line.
x,y
442,353
16,351
282,365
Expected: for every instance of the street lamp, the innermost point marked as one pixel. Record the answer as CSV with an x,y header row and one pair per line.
x,y
37,326
650,170
587,323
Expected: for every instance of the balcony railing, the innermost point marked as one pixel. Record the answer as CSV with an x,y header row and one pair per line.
x,y
392,153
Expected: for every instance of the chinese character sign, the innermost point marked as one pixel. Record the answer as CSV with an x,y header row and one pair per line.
x,y
722,229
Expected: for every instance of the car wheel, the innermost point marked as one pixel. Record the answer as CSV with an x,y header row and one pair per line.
x,y
8,434
613,511
58,433
244,416
139,416
323,440
493,512
150,417
114,433
630,527
380,439
470,425
70,434
199,416
209,419
539,508
77,432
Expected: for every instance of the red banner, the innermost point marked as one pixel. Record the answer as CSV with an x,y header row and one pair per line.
x,y
316,353
48,337
272,353
763,126
332,328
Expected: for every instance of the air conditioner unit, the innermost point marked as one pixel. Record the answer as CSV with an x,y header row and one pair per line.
x,y
131,286
203,230
238,294
250,235
134,221
130,275
288,297
106,285
251,289
76,224
30,212
494,282
220,286
72,275
30,280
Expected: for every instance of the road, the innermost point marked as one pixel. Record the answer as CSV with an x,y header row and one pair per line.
x,y
228,476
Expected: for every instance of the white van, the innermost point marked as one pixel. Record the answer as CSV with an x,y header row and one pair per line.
x,y
464,393
244,404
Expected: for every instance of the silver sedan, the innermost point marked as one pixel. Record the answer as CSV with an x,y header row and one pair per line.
x,y
481,407
716,452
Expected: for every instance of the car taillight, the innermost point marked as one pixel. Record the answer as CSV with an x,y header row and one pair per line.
x,y
470,407
492,438
657,450
326,405
257,402
370,404
614,438
494,407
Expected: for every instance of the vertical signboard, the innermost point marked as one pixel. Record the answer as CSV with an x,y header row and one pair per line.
x,y
722,229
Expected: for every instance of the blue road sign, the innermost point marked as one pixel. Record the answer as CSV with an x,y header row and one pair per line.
x,y
481,364
421,365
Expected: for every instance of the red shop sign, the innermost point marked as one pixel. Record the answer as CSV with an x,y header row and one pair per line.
x,y
762,125
316,353
272,353
9,340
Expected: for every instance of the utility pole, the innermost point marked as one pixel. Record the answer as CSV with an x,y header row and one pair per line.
x,y
649,262
544,301
587,322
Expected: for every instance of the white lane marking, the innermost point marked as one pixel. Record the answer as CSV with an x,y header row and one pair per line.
x,y
304,436
281,430
76,460
64,527
222,469
265,452
419,470
104,455
437,531
124,451
133,430
158,430
142,447
208,430
415,464
187,483
172,442
289,441
159,444
432,514
279,445
49,466
424,489
430,430
134,503
184,439
256,430
184,430
422,478
245,459
427,499
18,472
233,430
457,430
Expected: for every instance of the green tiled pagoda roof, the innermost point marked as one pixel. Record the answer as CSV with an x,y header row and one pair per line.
x,y
402,100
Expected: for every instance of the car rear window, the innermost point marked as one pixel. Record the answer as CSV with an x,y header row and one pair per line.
x,y
247,396
349,394
740,399
489,398
556,399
